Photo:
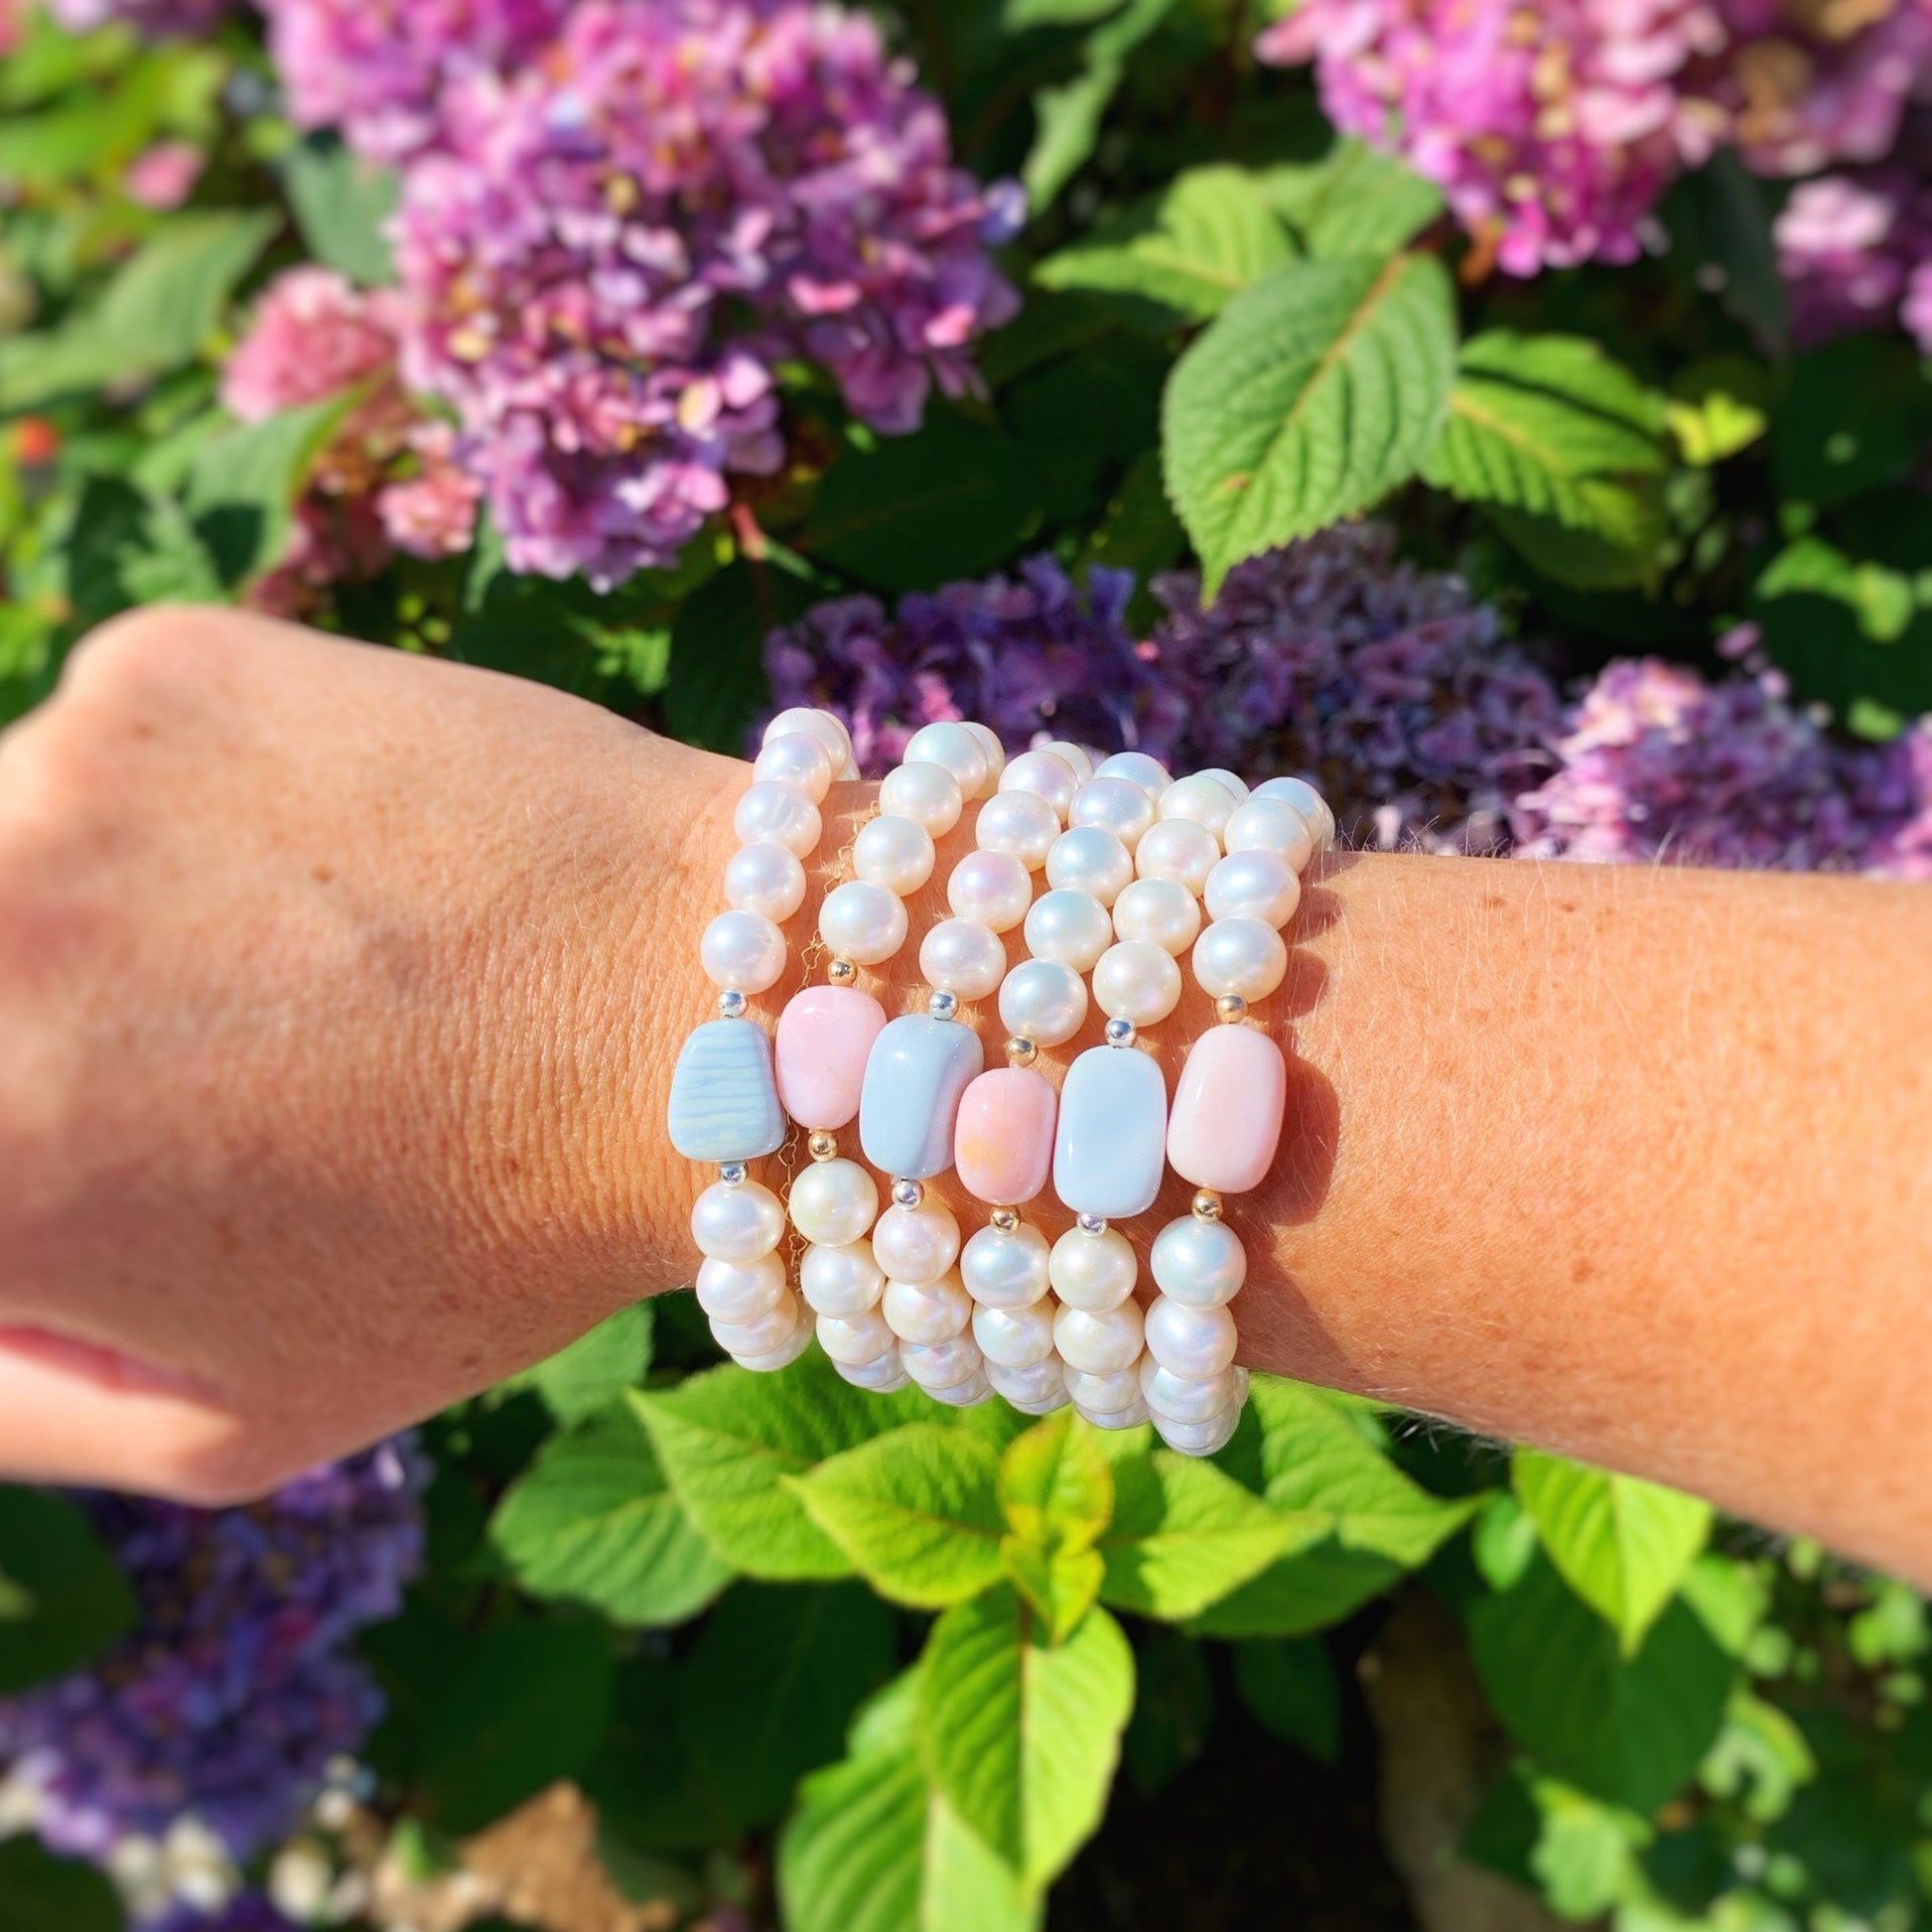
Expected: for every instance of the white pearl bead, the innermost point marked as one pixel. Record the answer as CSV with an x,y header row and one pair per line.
x,y
1270,825
1203,799
996,757
741,1291
860,1337
1099,1344
1193,1344
779,812
1044,1407
1129,1418
764,876
1078,760
1240,956
1137,980
927,1312
796,760
1159,911
1115,805
841,1280
1069,926
834,1201
916,1244
761,1335
1019,823
1105,1393
954,747
968,1394
821,725
1089,859
894,852
787,1352
1036,1388
1043,1001
1313,808
1199,1438
1232,780
928,793
738,1223
862,922
942,1364
743,952
963,958
1180,850
1138,769
1046,775
1014,1338
1095,1272
991,889
1177,1399
882,1376
1005,1270
1254,885
1201,1264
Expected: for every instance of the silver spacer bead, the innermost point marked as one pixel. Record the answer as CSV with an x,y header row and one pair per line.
x,y
1094,1224
1208,1206
841,972
823,1145
1021,1051
907,1193
731,1004
1231,1007
943,1005
733,1173
1119,1032
1006,1219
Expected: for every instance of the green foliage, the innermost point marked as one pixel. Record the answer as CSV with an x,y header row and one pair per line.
x,y
37,1890
341,204
597,1369
63,1597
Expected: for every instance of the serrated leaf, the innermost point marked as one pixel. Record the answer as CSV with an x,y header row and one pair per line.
x,y
1068,117
916,1512
1354,200
1291,1688
1061,1585
1055,1486
67,1598
595,1369
242,484
728,1437
1298,1594
1310,396
1022,1738
595,1522
1623,1545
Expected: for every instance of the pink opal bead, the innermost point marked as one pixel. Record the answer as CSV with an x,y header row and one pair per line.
x,y
825,1034
1227,1119
1003,1142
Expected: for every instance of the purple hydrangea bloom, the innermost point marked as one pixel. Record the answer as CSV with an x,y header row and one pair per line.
x,y
237,1687
159,19
247,1911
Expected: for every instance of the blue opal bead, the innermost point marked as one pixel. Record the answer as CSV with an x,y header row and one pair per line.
x,y
1110,1147
918,1070
723,1096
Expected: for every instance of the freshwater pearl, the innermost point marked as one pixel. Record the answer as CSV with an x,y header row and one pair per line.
x,y
1139,768
1014,1338
779,812
731,1292
841,1280
1036,1389
894,852
1199,1438
1202,798
1232,780
884,1375
1180,850
1245,957
1130,1418
1115,805
796,760
1299,793
916,1244
927,1312
1254,885
1193,1344
764,876
860,1337
1004,1269
761,1335
1199,1264
1043,1001
787,1352
1102,1344
928,793
954,747
834,1201
1137,980
1079,761
942,1364
1069,926
1045,774
1090,860
1159,911
1267,824
743,952
964,958
813,723
1095,1272
738,1223
1104,1393
991,889
1019,823
965,1395
996,757
1175,1398
862,922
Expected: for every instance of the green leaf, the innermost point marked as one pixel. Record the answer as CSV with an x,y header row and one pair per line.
x,y
1718,406
916,1512
1503,1542
1021,1738
65,1598
1174,1709
595,1369
1061,1585
1856,415
1621,1545
242,484
1068,117
1310,396
1291,1688
594,1522
1629,1730
1354,200
1759,1760
1586,1852
1300,1594
1055,1486
728,1437
1188,250
130,548
42,1893
340,202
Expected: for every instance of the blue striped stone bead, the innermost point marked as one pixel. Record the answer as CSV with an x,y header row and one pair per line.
x,y
723,1096
914,1075
1110,1149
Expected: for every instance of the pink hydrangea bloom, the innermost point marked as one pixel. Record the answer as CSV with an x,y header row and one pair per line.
x,y
434,512
164,176
312,335
1849,247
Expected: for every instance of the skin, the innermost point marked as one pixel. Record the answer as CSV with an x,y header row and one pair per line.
x,y
340,993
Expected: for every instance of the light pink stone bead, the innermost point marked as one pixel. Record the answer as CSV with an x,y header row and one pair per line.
x,y
1227,1119
1003,1140
824,1036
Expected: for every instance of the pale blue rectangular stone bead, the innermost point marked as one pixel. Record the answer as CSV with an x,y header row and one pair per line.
x,y
724,1097
914,1075
1110,1149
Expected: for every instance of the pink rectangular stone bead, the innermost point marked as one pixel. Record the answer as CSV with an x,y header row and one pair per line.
x,y
825,1036
1003,1140
1226,1120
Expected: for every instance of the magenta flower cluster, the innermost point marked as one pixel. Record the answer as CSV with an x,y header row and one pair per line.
x,y
1855,252
160,19
247,1911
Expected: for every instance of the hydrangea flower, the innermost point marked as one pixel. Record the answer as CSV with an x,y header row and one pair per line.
x,y
1855,252
312,335
237,1687
247,1911
163,175
158,18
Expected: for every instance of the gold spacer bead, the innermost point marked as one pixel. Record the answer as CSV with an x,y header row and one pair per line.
x,y
1006,1219
1021,1051
1231,1007
841,972
823,1145
1208,1206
